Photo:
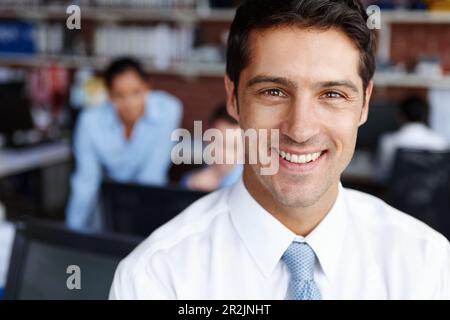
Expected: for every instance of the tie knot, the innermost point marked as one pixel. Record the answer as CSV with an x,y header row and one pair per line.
x,y
300,259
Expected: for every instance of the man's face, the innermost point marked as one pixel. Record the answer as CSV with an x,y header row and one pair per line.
x,y
128,93
306,84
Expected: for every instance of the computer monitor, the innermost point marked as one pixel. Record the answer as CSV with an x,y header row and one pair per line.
x,y
139,210
383,118
42,254
15,109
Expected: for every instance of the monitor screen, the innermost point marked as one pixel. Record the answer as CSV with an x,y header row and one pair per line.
x,y
15,110
139,210
383,118
45,273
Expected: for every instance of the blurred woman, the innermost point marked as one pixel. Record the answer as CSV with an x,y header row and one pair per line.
x,y
125,140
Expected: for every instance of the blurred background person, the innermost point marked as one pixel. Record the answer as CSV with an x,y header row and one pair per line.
x,y
216,176
125,140
413,134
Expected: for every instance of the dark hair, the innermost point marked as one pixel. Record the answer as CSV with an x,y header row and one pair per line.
x,y
414,109
348,16
122,65
221,113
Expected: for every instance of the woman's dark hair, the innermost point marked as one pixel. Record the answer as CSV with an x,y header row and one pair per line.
x,y
221,113
349,16
122,65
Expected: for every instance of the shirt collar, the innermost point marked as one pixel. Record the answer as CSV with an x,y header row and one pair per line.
x,y
267,238
328,237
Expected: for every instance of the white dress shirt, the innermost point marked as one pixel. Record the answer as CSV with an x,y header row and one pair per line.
x,y
226,246
411,136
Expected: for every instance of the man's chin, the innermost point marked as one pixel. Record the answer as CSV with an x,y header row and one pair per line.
x,y
299,193
295,200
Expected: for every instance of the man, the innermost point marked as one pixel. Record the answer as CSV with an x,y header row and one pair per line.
x,y
126,140
303,67
413,134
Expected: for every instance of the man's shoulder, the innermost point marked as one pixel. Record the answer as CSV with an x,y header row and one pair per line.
x,y
407,251
95,116
165,100
437,140
381,219
181,233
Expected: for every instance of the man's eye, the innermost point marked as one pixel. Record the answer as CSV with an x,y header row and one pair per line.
x,y
333,95
274,93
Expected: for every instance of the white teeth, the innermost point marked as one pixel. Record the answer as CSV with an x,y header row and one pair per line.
x,y
315,156
296,158
302,159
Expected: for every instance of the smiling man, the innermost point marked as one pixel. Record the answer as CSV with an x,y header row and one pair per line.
x,y
304,67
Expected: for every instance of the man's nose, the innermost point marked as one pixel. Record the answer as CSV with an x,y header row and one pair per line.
x,y
301,123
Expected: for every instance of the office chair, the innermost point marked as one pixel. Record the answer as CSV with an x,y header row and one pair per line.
x,y
44,255
138,210
420,186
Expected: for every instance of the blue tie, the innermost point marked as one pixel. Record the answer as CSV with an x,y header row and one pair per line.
x,y
300,260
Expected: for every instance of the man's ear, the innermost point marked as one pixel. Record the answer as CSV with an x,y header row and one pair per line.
x,y
365,109
232,104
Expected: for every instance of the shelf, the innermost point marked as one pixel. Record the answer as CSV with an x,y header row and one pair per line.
x,y
98,63
412,16
387,79
382,79
121,14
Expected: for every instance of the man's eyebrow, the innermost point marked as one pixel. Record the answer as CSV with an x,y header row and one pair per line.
x,y
268,79
348,84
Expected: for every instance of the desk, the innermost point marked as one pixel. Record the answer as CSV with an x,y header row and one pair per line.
x,y
53,162
361,174
361,167
16,161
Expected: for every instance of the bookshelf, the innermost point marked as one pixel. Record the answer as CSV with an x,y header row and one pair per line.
x,y
192,16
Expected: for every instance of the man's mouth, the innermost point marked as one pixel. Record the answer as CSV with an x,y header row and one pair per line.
x,y
300,158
